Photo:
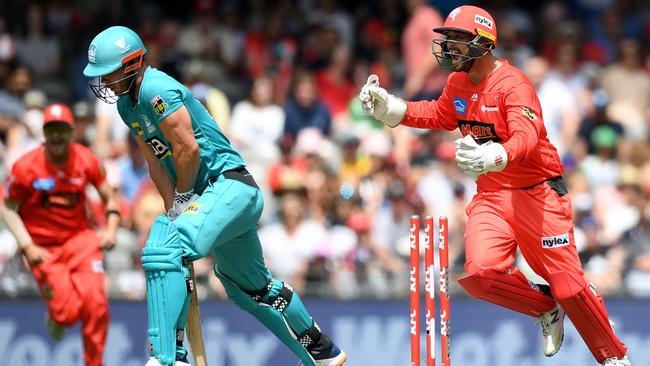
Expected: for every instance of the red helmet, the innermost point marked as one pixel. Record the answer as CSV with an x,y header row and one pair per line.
x,y
470,19
58,113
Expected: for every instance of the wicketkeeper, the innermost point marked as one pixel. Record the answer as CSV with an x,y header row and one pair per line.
x,y
522,200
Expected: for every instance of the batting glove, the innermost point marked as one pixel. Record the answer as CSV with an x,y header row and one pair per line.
x,y
181,201
475,159
379,104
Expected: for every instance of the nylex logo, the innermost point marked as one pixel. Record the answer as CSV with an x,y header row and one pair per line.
x,y
479,19
557,241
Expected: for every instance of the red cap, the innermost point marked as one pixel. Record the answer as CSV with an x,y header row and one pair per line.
x,y
57,113
470,19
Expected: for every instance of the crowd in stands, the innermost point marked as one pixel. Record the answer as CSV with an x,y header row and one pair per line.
x,y
281,79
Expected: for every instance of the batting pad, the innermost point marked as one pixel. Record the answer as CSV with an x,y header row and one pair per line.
x,y
268,315
167,296
512,291
586,309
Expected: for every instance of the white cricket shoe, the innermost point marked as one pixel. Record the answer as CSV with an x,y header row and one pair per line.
x,y
154,362
552,323
616,362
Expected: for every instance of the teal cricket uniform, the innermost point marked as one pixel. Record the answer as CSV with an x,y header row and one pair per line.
x,y
221,223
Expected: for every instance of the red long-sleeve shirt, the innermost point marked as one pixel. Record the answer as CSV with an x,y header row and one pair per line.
x,y
503,108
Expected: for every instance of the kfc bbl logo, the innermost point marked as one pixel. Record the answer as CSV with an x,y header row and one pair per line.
x,y
159,105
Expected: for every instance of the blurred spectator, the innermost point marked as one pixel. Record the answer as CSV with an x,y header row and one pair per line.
x,y
602,261
133,171
25,136
636,243
303,109
334,85
601,168
354,165
197,76
290,243
84,118
110,132
424,79
12,105
628,86
597,116
37,49
374,268
559,104
258,123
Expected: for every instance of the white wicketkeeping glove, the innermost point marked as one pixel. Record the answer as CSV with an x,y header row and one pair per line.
x,y
475,159
379,104
181,201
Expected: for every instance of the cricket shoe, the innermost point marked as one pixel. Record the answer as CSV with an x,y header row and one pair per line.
x,y
552,323
154,362
616,362
54,329
330,355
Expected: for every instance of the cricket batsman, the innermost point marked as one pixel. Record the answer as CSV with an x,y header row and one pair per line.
x,y
46,211
213,207
522,200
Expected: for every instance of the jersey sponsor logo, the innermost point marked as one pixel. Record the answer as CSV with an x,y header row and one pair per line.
x,y
147,124
528,113
481,131
43,184
193,209
138,129
160,149
159,105
461,105
60,199
479,19
92,53
557,241
489,108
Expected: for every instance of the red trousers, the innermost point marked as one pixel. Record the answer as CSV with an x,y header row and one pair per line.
x,y
535,220
72,283
538,221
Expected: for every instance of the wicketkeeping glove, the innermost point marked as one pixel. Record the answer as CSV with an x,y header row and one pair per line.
x,y
379,104
181,201
475,159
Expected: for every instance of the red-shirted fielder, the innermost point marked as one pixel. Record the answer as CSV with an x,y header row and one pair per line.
x,y
46,195
522,200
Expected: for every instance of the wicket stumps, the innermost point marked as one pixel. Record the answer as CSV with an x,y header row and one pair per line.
x,y
429,285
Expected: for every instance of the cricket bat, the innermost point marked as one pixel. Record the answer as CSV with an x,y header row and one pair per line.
x,y
194,331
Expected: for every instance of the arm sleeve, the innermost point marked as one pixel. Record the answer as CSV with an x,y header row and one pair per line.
x,y
435,114
525,125
164,98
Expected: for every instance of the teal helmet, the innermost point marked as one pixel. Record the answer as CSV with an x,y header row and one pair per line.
x,y
113,48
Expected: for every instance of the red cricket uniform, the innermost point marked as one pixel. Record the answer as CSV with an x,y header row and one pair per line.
x,y
52,206
525,205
